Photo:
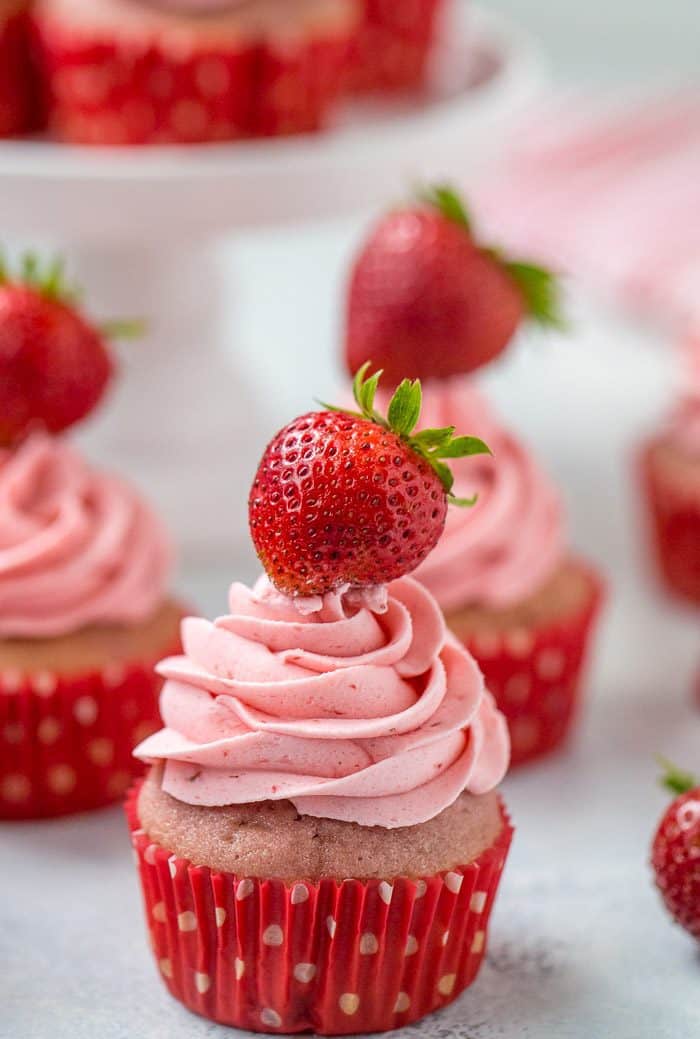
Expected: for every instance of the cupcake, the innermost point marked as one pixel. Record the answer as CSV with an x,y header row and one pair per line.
x,y
671,479
17,110
320,838
84,564
428,297
126,72
393,45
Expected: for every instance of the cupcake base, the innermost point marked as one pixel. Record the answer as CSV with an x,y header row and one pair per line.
x,y
17,114
393,46
118,72
671,483
335,956
533,655
72,710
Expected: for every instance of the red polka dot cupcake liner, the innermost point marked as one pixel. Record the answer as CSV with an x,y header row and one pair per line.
x,y
393,46
66,744
535,675
333,957
124,92
18,112
674,512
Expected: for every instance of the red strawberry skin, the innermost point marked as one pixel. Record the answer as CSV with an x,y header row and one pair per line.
x,y
676,860
425,302
54,366
17,108
338,499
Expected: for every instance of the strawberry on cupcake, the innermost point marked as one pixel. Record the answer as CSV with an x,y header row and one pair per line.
x,y
125,72
17,103
320,838
84,566
425,293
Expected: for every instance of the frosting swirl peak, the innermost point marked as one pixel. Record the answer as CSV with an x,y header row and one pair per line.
x,y
365,710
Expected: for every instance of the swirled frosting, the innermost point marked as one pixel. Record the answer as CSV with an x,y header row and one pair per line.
x,y
364,710
507,546
77,547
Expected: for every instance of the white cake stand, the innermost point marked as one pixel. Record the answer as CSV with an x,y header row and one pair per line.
x,y
142,227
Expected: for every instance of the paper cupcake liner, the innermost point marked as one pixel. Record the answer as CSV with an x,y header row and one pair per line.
x,y
17,110
535,675
675,527
393,46
332,957
66,743
117,95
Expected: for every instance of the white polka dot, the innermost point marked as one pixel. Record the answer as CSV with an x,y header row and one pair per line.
x,y
150,854
524,734
519,642
368,944
48,731
403,1002
386,892
44,683
85,710
478,901
445,938
159,912
11,680
331,925
187,921
550,663
244,890
517,688
486,644
202,981
13,732
305,972
411,945
61,779
478,943
172,865
300,893
212,77
220,915
446,984
166,968
239,967
349,1003
273,935
189,118
421,888
113,675
270,1018
100,751
15,788
453,882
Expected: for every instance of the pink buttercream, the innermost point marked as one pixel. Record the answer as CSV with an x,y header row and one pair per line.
x,y
364,710
77,547
506,546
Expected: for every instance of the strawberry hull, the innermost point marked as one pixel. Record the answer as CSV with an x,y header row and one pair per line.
x,y
333,957
393,46
18,111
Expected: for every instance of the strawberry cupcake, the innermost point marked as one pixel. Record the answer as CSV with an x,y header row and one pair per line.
x,y
320,838
671,479
84,565
126,72
393,46
17,110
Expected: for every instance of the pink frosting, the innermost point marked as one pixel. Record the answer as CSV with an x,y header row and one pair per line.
x,y
364,710
507,545
77,547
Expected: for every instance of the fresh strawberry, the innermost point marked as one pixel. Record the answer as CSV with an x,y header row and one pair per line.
x,y
343,497
427,300
54,364
676,851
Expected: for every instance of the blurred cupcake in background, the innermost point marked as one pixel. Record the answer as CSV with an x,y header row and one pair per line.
x,y
84,567
18,112
427,298
120,72
671,481
392,49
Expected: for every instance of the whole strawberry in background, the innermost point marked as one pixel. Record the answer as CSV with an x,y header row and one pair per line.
x,y
427,299
54,362
675,856
315,525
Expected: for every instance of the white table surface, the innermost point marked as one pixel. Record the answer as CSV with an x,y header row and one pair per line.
x,y
580,945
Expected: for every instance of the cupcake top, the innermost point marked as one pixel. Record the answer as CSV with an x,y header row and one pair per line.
x,y
510,543
77,547
359,708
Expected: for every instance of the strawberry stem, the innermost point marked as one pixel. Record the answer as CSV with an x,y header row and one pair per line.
x,y
675,779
